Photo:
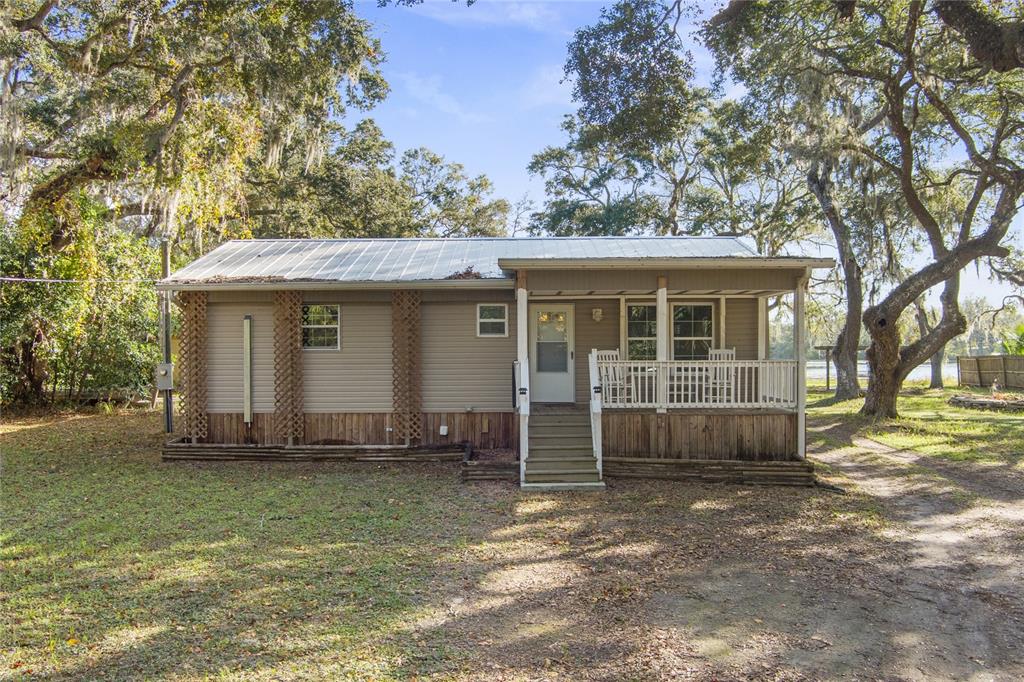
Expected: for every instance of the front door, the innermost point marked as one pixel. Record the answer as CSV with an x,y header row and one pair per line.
x,y
551,353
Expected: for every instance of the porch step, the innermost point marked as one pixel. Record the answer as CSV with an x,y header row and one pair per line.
x,y
574,450
575,465
560,431
564,486
559,420
562,476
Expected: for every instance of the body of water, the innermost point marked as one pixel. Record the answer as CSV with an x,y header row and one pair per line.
x,y
816,370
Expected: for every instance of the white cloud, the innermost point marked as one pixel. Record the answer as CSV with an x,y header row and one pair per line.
x,y
536,16
545,87
427,89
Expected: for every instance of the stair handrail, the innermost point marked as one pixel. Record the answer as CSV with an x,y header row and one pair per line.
x,y
523,410
595,412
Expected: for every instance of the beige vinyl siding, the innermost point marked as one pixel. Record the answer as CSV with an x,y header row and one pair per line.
x,y
741,327
463,370
224,356
603,335
356,378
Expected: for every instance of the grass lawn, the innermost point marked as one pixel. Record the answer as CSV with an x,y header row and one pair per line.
x,y
118,566
928,424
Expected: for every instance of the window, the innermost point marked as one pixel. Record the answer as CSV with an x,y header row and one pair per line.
x,y
321,327
641,332
692,331
492,319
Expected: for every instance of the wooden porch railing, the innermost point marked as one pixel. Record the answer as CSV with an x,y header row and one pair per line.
x,y
698,383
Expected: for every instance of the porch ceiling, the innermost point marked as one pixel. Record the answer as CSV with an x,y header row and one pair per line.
x,y
614,293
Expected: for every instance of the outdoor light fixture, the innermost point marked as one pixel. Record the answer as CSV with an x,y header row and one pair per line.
x,y
597,314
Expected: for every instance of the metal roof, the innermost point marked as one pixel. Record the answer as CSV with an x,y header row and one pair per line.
x,y
431,260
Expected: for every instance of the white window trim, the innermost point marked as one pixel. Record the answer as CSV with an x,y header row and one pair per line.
x,y
627,338
672,318
318,349
504,306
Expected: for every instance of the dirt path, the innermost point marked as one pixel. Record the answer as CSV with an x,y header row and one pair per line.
x,y
960,596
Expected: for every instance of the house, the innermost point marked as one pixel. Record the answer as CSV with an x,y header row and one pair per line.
x,y
576,352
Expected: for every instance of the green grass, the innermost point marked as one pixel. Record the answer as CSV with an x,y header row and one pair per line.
x,y
930,425
116,565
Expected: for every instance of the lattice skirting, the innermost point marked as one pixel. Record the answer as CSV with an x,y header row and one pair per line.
x,y
192,365
288,423
405,362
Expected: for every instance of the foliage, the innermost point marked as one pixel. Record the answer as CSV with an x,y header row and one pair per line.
x,y
943,129
649,151
1014,345
63,340
592,188
448,203
198,121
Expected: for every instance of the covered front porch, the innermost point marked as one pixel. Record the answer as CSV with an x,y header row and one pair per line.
x,y
675,371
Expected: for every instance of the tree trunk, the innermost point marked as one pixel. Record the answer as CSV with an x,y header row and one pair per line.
x,y
884,380
936,361
890,364
924,325
844,353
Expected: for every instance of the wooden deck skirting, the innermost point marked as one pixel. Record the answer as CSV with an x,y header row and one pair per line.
x,y
181,450
762,435
712,471
484,430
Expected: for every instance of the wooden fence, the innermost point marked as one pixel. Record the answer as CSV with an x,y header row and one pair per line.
x,y
982,370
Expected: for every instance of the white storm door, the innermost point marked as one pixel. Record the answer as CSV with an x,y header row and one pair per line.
x,y
552,375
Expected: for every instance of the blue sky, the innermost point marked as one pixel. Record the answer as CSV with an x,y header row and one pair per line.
x,y
479,84
482,86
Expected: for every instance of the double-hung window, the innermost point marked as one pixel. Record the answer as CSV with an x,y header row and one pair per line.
x,y
641,332
692,331
321,327
492,319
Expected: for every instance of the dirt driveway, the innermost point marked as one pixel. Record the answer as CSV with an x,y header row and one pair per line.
x,y
916,574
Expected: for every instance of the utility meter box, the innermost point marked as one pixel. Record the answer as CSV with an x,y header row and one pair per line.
x,y
165,376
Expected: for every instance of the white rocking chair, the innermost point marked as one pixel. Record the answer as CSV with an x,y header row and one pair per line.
x,y
614,388
721,378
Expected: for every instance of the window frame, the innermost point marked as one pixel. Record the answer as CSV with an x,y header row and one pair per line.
x,y
479,307
673,338
629,338
336,326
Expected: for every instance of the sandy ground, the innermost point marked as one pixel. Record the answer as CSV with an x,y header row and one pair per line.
x,y
916,575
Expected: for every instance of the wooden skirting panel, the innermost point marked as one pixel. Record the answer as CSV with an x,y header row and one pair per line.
x,y
485,430
700,435
490,471
179,450
712,471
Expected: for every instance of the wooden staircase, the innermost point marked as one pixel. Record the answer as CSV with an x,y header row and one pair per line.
x,y
561,453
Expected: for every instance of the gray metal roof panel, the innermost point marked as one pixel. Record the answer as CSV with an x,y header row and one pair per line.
x,y
408,260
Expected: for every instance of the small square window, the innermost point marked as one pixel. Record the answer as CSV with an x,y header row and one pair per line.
x,y
492,319
321,327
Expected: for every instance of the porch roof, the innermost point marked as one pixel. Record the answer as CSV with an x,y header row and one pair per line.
x,y
458,263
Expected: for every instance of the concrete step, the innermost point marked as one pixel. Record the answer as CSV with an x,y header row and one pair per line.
x,y
579,487
562,476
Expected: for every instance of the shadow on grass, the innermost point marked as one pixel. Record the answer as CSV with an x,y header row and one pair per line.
x,y
289,571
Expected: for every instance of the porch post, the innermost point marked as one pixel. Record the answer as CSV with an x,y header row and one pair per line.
x,y
523,357
799,334
664,331
762,328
